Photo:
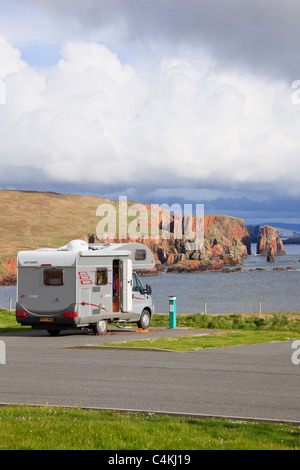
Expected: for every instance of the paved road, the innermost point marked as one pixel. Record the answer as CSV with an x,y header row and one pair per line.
x,y
248,382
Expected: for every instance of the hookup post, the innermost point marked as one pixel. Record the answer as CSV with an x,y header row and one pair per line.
x,y
172,312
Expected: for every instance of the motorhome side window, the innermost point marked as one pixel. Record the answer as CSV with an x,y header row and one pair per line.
x,y
54,277
101,276
140,255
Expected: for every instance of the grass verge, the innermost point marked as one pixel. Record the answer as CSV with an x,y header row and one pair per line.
x,y
199,342
47,428
8,322
268,321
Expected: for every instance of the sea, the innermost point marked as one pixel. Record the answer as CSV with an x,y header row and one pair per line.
x,y
234,292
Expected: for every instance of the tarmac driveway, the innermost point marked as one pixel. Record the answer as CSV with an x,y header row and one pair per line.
x,y
258,382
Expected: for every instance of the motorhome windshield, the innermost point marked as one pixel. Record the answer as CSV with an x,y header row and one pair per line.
x,y
136,283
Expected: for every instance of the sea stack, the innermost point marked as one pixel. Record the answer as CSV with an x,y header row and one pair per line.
x,y
271,257
270,239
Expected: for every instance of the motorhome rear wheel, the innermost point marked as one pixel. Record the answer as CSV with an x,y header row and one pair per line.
x,y
100,327
53,332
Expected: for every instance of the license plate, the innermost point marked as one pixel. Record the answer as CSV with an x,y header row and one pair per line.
x,y
46,319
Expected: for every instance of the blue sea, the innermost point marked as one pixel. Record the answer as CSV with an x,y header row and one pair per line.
x,y
278,291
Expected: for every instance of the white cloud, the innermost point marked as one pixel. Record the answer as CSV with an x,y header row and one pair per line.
x,y
92,119
10,59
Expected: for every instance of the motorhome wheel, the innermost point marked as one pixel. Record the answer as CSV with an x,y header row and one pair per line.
x,y
144,320
100,327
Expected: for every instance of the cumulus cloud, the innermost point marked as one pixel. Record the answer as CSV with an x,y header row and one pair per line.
x,y
92,119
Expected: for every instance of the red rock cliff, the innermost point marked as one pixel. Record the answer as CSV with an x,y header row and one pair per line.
x,y
10,276
226,236
226,242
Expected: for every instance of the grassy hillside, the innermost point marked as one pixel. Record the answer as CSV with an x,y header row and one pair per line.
x,y
30,220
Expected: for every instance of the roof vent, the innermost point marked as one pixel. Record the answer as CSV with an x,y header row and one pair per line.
x,y
77,245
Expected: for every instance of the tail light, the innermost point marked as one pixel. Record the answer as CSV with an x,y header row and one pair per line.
x,y
21,313
69,314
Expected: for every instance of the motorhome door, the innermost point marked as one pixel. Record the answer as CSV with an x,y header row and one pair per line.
x,y
126,285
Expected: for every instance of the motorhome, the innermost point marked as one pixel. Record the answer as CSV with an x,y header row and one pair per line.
x,y
84,285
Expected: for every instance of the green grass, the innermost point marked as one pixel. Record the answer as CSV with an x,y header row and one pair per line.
x,y
269,321
47,428
248,329
8,322
198,342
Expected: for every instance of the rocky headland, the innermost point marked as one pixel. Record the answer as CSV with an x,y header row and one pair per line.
x,y
226,243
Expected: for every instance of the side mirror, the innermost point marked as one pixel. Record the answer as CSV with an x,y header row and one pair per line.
x,y
148,289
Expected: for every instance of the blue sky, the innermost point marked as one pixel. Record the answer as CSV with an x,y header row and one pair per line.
x,y
163,101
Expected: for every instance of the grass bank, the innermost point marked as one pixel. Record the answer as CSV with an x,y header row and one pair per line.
x,y
47,428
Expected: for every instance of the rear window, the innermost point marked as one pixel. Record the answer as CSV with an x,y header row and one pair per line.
x,y
140,255
54,277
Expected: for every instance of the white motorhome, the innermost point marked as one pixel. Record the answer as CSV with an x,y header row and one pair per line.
x,y
84,285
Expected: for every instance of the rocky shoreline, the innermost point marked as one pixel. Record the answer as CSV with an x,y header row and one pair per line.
x,y
10,279
226,243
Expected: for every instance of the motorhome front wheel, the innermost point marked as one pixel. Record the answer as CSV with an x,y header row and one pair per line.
x,y
144,320
100,327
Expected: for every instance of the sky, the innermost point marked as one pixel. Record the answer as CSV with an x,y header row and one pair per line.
x,y
163,101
